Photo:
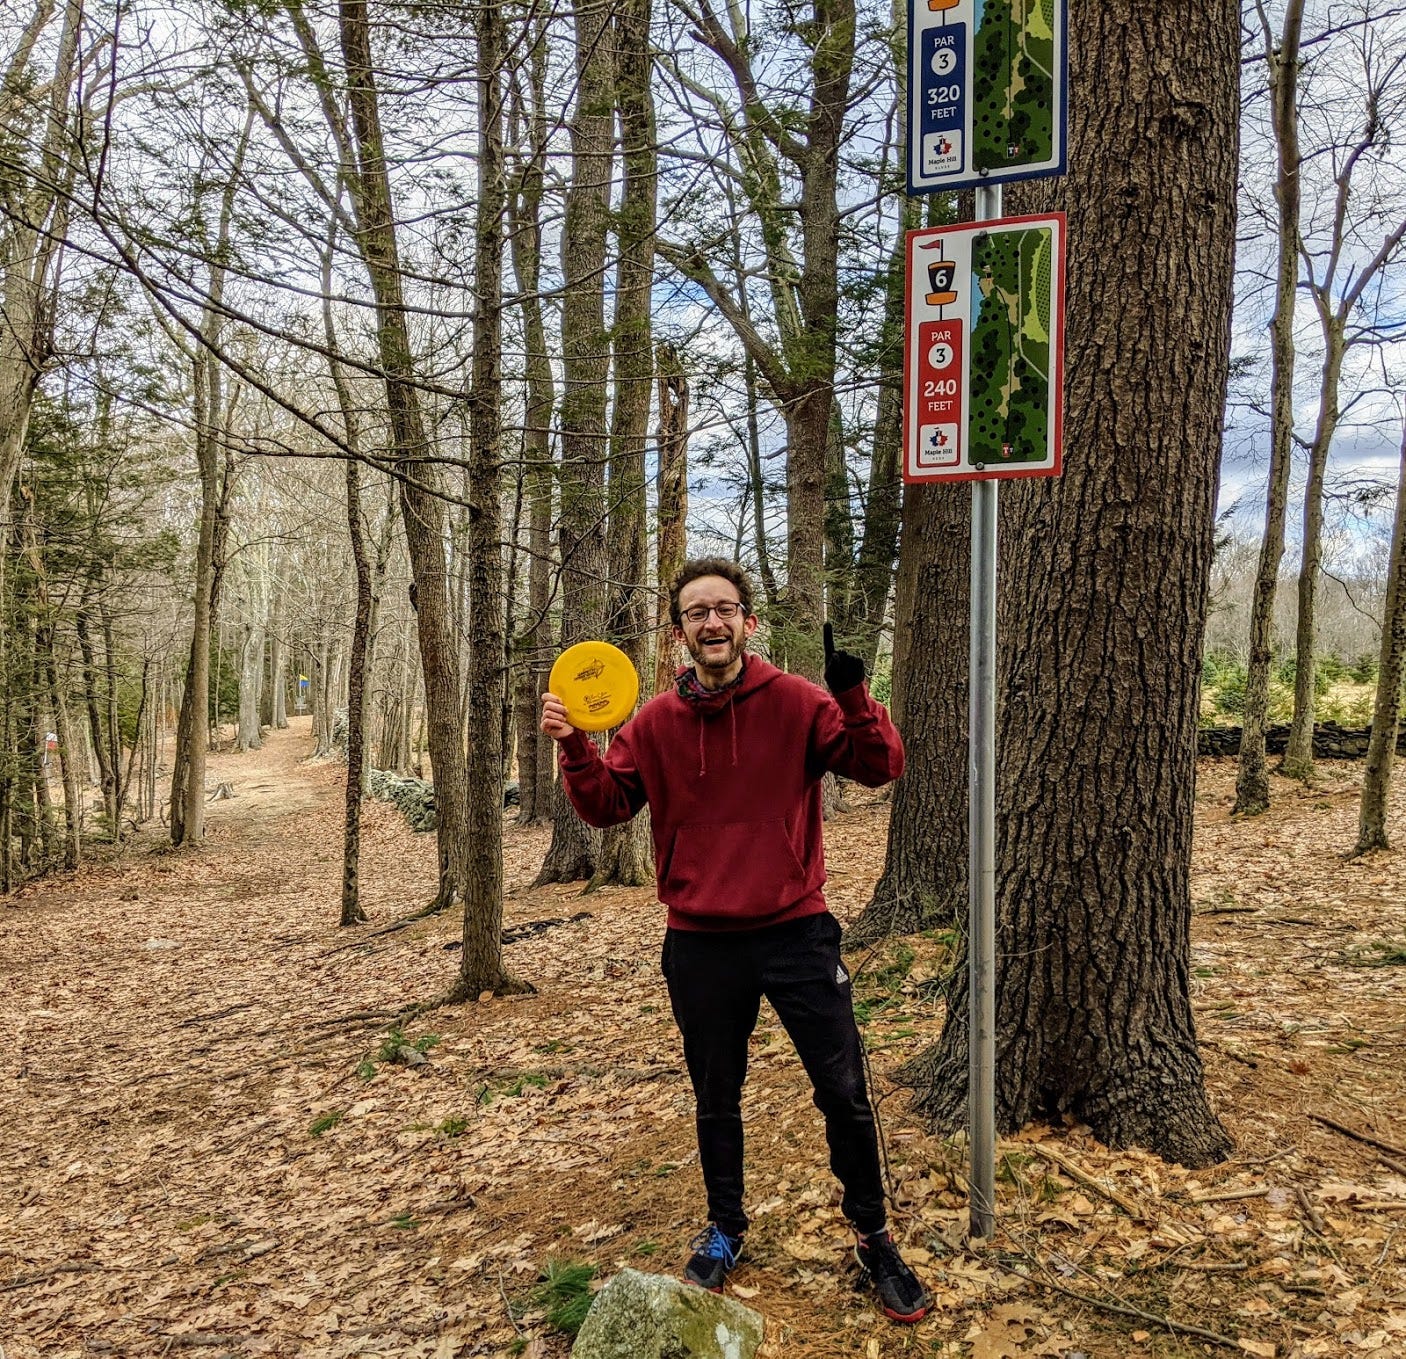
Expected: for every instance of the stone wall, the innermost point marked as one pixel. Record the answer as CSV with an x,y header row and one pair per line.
x,y
1330,741
414,797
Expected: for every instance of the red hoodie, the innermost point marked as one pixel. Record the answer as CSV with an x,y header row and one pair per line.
x,y
733,787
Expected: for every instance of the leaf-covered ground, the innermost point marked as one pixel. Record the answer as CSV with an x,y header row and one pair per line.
x,y
218,1139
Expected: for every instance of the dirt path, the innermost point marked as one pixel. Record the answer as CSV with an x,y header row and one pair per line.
x,y
208,1149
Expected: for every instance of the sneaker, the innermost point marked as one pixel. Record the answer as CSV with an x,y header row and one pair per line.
x,y
714,1257
903,1298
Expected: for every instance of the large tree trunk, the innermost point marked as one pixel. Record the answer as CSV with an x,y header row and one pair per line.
x,y
481,961
1298,755
626,853
1391,668
924,880
1282,64
1106,572
535,751
585,347
422,510
671,545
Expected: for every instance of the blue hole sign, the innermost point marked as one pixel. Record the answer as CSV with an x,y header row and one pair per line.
x,y
943,100
986,92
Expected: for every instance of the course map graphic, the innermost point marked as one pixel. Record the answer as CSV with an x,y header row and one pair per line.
x,y
1013,83
1011,344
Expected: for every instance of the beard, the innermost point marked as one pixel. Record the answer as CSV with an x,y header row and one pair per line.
x,y
716,657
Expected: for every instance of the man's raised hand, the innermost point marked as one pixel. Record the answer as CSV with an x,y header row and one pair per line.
x,y
842,670
554,721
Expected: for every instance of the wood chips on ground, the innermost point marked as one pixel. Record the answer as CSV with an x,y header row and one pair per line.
x,y
214,1143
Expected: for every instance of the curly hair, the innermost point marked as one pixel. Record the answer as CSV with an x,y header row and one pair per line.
x,y
697,567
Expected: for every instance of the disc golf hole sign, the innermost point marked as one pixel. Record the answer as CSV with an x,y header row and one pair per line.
x,y
984,354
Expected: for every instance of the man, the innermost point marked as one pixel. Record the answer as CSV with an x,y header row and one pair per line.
x,y
730,763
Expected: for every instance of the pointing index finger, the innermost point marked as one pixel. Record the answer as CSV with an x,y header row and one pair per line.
x,y
829,641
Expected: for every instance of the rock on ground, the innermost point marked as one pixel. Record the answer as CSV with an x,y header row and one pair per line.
x,y
651,1316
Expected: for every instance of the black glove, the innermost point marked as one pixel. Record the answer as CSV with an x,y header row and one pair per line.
x,y
842,671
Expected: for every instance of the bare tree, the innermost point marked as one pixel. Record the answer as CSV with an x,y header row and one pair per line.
x,y
481,962
34,216
1281,54
799,369
1391,669
575,846
213,461
421,507
1363,238
626,854
536,760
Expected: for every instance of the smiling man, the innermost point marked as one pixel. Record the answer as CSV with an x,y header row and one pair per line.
x,y
730,763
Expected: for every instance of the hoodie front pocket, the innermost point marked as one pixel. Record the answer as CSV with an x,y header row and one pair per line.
x,y
736,869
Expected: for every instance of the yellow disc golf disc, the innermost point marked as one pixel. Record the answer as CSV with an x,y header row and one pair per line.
x,y
597,684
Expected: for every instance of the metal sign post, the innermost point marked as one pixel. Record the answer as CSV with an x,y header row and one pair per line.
x,y
981,840
983,380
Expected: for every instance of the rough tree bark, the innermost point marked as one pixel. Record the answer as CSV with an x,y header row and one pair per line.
x,y
1391,668
1105,580
481,960
626,852
575,846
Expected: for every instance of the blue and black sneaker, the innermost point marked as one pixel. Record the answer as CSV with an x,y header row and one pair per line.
x,y
715,1255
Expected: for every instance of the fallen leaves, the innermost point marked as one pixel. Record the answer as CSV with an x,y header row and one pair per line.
x,y
175,1191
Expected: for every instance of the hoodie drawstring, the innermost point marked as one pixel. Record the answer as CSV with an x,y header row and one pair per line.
x,y
702,739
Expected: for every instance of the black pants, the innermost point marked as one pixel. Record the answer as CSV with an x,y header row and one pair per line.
x,y
716,982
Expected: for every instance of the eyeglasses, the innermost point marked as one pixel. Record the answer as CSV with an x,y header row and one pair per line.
x,y
726,611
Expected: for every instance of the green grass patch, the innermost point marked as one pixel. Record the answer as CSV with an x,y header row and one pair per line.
x,y
326,1123
453,1127
564,1293
396,1047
